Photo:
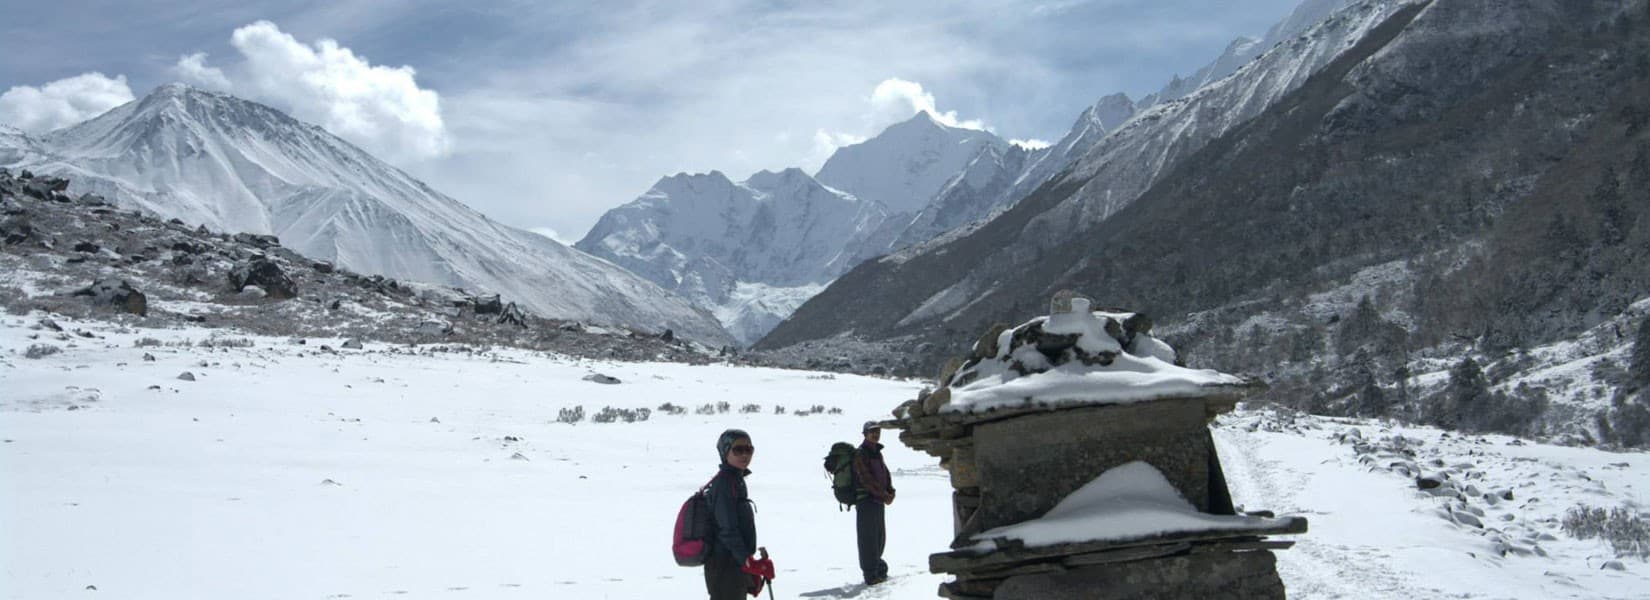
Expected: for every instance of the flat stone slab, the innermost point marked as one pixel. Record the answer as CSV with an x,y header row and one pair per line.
x,y
1248,575
1010,553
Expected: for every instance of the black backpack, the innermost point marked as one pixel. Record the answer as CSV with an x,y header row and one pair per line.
x,y
839,467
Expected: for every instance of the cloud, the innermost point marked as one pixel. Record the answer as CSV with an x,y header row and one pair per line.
x,y
553,235
379,107
192,69
1032,144
895,100
63,102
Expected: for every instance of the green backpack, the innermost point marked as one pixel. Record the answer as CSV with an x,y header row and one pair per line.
x,y
839,466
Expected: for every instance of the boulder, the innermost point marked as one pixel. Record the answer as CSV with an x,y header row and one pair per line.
x,y
264,273
512,315
118,294
322,266
351,344
256,240
41,351
16,230
489,305
186,376
602,379
434,327
986,347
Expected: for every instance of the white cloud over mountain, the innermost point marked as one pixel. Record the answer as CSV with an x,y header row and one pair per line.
x,y
379,107
63,102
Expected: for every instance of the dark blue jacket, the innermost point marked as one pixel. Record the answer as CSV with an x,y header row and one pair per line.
x,y
731,514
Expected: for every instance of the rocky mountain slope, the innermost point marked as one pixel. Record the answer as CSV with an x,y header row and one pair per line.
x,y
233,165
81,257
1419,184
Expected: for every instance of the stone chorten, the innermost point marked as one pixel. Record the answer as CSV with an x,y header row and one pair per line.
x,y
1083,467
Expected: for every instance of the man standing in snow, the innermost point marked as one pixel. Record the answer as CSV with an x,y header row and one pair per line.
x,y
876,491
733,546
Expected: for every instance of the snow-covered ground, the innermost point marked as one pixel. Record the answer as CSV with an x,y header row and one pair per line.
x,y
283,471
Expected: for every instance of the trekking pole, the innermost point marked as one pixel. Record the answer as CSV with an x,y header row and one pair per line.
x,y
765,580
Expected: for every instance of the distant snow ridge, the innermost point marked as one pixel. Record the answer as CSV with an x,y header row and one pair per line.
x,y
234,165
753,251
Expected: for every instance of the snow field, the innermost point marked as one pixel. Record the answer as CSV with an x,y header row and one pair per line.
x,y
283,473
219,487
1375,535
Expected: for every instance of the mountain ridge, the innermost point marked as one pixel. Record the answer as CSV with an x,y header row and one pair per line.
x,y
235,165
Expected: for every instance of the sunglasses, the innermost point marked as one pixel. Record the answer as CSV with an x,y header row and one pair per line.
x,y
743,450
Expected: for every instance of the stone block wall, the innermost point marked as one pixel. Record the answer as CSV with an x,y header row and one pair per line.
x,y
1027,464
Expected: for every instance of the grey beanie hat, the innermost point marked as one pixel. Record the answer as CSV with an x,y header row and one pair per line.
x,y
725,443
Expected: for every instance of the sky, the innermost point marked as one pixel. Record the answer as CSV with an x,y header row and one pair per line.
x,y
543,115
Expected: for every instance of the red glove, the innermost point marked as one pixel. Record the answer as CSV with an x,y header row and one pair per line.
x,y
759,567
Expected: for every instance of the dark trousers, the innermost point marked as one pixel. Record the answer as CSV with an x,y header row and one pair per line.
x,y
724,577
873,537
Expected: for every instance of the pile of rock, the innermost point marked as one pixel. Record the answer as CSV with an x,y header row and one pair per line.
x,y
1037,416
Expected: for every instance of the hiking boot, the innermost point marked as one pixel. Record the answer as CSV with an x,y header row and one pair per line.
x,y
876,580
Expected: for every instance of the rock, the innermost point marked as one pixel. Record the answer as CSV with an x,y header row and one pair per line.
x,y
147,357
256,240
936,400
264,273
986,346
949,370
119,294
322,266
41,351
512,315
434,420
87,247
489,305
351,344
16,230
434,328
186,376
668,336
1613,565
90,199
1466,518
602,379
50,324
1427,482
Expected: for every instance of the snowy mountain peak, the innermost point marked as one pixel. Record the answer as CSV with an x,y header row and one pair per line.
x,y
239,166
907,164
786,179
1109,112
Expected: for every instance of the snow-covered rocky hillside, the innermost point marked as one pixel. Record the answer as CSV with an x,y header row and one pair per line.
x,y
395,470
920,179
83,257
237,166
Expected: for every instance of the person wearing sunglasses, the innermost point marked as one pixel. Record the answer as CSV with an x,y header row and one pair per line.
x,y
733,545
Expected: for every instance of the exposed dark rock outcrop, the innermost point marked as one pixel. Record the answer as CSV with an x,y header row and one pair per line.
x,y
117,294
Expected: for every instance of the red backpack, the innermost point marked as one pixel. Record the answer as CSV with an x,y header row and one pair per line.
x,y
691,543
